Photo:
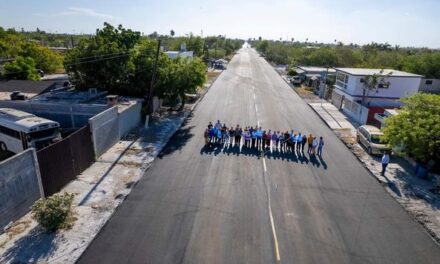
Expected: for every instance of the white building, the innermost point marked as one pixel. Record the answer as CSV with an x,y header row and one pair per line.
x,y
181,54
430,86
348,91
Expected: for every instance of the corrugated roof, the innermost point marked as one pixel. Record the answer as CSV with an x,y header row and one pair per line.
x,y
365,71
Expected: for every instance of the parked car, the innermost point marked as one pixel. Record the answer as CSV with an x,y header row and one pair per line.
x,y
370,137
296,80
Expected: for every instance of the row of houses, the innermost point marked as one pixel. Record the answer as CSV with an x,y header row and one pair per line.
x,y
350,95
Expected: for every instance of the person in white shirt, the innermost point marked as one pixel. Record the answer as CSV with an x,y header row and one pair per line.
x,y
385,161
314,145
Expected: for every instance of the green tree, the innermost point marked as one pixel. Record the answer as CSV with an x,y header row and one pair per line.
x,y
183,76
144,58
44,58
371,83
103,61
22,68
417,127
263,46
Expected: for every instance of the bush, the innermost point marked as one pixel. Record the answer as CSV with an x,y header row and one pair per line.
x,y
54,212
292,72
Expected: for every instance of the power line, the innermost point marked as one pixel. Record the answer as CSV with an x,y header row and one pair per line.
x,y
100,55
84,62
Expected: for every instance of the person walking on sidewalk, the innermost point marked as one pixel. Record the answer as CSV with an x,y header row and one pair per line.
x,y
320,146
385,161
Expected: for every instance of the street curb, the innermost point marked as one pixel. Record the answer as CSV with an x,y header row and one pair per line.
x,y
163,145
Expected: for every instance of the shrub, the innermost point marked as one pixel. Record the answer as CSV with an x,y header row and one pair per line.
x,y
292,72
55,212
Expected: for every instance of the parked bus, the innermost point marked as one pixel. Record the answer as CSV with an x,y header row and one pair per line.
x,y
20,130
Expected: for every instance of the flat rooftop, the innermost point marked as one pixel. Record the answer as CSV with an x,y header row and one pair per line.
x,y
366,71
315,69
71,97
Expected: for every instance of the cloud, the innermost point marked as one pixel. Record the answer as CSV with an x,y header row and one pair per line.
x,y
78,11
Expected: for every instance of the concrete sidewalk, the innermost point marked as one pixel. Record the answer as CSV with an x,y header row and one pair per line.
x,y
332,116
99,190
420,197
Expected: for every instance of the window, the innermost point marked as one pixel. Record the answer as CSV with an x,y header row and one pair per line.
x,y
9,132
383,85
341,80
428,82
42,134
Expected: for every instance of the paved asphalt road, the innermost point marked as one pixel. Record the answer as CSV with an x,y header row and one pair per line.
x,y
200,206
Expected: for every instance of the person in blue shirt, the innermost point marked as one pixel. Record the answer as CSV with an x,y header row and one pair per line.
x,y
254,138
214,134
259,137
298,142
292,141
219,136
320,146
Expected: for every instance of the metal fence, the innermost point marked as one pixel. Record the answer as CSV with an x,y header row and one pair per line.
x,y
61,162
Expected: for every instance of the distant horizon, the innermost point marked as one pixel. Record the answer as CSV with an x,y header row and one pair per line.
x,y
245,39
406,23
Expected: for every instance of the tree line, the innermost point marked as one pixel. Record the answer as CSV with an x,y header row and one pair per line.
x,y
115,59
210,47
421,61
121,61
23,58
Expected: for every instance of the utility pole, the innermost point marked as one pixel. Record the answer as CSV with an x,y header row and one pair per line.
x,y
322,93
71,40
153,77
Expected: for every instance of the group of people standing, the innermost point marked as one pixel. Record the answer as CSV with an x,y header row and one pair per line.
x,y
257,138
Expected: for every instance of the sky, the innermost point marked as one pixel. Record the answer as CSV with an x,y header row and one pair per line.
x,y
413,23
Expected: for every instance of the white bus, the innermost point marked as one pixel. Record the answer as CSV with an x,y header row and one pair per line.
x,y
20,130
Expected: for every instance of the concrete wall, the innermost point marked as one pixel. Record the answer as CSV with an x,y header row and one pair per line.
x,y
69,116
20,186
355,111
336,98
105,130
129,119
433,87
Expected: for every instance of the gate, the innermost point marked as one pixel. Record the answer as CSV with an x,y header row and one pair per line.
x,y
61,162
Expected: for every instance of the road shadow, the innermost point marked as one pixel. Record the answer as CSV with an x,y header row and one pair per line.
x,y
413,186
31,248
179,139
295,156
